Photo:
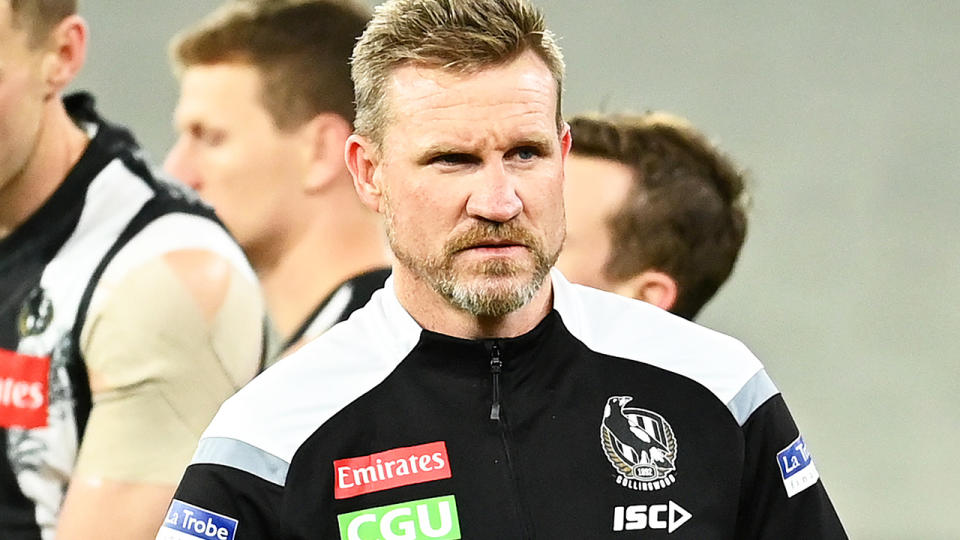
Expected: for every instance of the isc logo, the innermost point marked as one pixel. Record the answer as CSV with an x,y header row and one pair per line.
x,y
434,519
656,516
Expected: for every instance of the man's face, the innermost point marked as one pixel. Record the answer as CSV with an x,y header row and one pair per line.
x,y
232,153
22,96
471,167
595,190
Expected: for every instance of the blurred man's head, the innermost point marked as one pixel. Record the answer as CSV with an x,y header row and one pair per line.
x,y
266,104
654,210
42,47
460,144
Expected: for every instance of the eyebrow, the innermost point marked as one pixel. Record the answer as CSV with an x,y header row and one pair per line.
x,y
444,148
541,143
440,149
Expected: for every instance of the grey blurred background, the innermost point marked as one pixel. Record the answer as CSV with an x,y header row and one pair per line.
x,y
847,116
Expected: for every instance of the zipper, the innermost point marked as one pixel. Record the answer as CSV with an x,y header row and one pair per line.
x,y
496,366
496,415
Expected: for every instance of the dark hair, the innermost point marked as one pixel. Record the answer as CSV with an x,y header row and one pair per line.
x,y
301,49
39,17
685,214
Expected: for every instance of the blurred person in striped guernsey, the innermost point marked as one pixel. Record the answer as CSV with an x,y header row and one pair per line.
x,y
127,313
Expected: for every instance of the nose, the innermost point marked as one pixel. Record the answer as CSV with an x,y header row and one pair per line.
x,y
179,164
495,197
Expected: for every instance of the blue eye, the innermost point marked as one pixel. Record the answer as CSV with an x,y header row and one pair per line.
x,y
526,153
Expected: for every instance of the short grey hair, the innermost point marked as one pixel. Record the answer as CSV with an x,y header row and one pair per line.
x,y
462,36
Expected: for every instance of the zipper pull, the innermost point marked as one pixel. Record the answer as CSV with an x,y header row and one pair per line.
x,y
496,365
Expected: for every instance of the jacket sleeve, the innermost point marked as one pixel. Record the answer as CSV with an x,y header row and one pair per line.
x,y
782,496
225,503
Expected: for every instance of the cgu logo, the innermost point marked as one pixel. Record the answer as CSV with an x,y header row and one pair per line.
x,y
434,519
656,516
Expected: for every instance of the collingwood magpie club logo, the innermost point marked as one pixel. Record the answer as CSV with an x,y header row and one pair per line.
x,y
639,444
35,313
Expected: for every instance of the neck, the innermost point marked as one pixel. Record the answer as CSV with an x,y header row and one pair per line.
x,y
335,245
58,145
435,313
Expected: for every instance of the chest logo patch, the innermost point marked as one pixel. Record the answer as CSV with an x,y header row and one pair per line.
x,y
639,444
24,390
414,520
188,522
390,469
35,314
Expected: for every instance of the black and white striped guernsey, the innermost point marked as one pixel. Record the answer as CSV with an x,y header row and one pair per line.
x,y
111,213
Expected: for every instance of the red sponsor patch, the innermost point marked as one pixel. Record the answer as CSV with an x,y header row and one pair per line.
x,y
390,469
24,384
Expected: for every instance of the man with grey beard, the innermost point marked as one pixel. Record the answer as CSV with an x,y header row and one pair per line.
x,y
480,394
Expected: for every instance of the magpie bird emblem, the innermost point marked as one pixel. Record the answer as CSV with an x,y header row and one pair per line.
x,y
639,444
36,312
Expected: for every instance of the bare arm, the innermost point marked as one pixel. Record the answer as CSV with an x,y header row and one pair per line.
x,y
167,345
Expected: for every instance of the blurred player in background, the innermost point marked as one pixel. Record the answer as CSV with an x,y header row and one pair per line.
x,y
266,105
654,210
127,313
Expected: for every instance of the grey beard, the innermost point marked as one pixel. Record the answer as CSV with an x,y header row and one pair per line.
x,y
494,300
475,297
483,302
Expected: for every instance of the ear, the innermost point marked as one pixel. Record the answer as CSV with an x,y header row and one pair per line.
x,y
66,52
363,158
324,137
566,141
653,287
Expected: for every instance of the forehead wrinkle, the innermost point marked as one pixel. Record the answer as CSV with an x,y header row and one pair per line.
x,y
498,117
441,84
442,100
516,118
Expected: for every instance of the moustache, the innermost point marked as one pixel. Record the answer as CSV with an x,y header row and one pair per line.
x,y
492,233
